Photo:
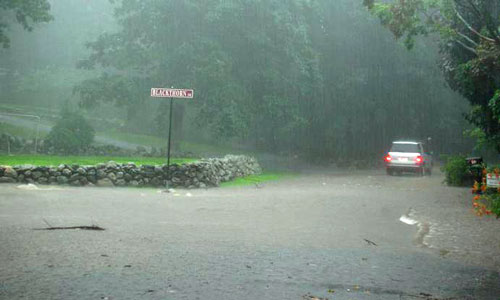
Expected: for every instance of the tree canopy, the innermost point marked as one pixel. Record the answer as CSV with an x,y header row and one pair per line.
x,y
296,76
25,12
469,47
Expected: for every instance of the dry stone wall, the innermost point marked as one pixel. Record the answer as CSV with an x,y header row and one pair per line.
x,y
201,174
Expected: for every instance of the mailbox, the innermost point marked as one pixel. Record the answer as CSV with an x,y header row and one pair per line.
x,y
474,161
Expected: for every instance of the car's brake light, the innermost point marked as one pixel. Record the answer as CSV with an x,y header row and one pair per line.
x,y
419,159
388,158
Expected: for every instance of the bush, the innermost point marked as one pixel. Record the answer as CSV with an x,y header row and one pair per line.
x,y
71,135
456,171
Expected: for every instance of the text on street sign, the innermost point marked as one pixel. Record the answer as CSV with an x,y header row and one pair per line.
x,y
172,93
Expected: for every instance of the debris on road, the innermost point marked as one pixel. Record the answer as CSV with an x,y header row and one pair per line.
x,y
93,227
311,297
50,227
370,242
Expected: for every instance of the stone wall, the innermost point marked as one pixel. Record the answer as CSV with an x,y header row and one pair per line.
x,y
201,174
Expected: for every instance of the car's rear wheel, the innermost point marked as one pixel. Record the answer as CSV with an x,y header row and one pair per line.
x,y
389,172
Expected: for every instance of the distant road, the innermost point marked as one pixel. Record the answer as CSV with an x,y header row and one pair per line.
x,y
44,127
335,235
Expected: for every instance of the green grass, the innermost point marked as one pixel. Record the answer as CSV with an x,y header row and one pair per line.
x,y
24,108
256,179
140,139
46,160
154,141
27,133
204,149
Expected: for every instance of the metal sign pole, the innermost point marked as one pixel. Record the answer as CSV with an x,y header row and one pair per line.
x,y
171,93
169,140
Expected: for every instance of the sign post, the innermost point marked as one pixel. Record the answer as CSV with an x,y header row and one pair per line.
x,y
171,93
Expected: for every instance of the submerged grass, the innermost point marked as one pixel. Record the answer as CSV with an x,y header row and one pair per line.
x,y
52,160
256,179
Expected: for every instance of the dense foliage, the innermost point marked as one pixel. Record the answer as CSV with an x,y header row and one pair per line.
x,y
316,79
25,12
487,199
470,49
71,134
456,171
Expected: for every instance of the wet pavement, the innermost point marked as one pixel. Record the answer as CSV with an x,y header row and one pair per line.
x,y
322,235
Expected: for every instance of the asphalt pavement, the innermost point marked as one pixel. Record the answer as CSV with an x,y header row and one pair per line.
x,y
321,235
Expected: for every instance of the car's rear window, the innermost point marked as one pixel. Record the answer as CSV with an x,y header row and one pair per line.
x,y
405,148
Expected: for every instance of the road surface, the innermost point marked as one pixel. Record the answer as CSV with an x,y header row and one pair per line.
x,y
321,235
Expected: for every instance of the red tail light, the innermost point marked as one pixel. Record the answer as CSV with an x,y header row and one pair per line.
x,y
388,158
419,159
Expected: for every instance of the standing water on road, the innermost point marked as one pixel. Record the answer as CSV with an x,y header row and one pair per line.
x,y
307,149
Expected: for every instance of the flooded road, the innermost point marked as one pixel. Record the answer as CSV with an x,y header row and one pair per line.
x,y
335,235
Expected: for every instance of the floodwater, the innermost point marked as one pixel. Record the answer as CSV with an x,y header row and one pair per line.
x,y
335,235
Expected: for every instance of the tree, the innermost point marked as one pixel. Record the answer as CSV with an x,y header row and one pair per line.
x,y
310,78
238,54
25,12
72,134
470,49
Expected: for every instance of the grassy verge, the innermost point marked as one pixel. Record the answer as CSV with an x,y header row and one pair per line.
x,y
29,109
154,141
138,139
206,149
256,179
46,160
27,133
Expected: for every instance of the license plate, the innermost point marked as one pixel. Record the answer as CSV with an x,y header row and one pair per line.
x,y
404,159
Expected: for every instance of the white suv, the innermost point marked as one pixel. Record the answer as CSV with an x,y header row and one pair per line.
x,y
408,156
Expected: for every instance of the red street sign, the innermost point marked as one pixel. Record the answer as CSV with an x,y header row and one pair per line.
x,y
172,93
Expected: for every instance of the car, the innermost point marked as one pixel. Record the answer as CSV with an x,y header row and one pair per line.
x,y
408,156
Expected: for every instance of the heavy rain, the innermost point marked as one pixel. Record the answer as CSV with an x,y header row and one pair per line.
x,y
250,149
